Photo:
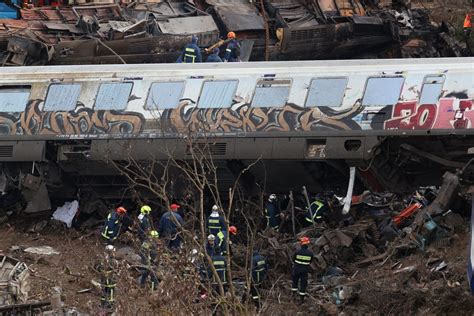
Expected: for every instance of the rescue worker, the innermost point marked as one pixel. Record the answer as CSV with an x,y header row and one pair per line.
x,y
467,26
301,261
168,227
191,52
212,248
222,240
148,256
259,271
108,281
232,51
215,222
144,222
113,224
214,57
316,212
219,263
272,212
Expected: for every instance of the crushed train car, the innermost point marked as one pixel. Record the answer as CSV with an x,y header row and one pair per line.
x,y
280,30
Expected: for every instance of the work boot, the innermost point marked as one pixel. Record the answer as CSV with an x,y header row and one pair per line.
x,y
302,299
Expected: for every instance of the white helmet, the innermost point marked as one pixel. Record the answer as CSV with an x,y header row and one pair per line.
x,y
215,208
272,197
110,248
211,237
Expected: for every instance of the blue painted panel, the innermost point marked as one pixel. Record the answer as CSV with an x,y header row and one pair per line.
x,y
326,92
217,94
164,95
382,91
271,96
113,96
13,99
62,97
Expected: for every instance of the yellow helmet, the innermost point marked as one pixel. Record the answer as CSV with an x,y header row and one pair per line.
x,y
145,209
154,234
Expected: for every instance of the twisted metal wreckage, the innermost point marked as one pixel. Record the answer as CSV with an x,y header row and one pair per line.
x,y
283,30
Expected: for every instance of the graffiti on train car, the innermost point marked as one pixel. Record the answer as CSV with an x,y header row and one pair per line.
x,y
81,121
449,113
244,118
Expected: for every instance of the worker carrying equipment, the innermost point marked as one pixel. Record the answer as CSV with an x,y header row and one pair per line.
x,y
232,51
214,57
148,255
259,271
216,222
191,52
113,224
170,222
316,211
272,212
301,261
144,222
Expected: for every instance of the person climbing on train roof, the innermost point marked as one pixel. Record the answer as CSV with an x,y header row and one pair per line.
x,y
191,52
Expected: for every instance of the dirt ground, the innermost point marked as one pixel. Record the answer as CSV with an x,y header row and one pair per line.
x,y
378,287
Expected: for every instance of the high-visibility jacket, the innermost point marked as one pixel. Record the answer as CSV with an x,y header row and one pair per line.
x,y
216,224
112,226
219,264
191,54
467,22
315,212
302,259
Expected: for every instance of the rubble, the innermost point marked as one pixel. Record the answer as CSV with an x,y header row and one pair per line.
x,y
41,250
14,281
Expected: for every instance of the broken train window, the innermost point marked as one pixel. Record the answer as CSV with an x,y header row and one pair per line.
x,y
381,91
62,97
164,95
113,96
14,98
271,93
326,92
217,94
432,89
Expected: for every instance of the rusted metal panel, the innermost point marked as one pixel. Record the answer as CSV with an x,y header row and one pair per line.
x,y
188,25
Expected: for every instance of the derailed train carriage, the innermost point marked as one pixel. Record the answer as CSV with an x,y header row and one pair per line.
x,y
402,122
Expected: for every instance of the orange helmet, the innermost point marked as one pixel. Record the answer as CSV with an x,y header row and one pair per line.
x,y
233,230
304,241
121,210
174,207
231,35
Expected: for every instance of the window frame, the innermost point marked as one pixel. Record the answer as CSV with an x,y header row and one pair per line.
x,y
145,107
61,84
17,86
271,81
317,78
423,86
94,107
219,80
382,77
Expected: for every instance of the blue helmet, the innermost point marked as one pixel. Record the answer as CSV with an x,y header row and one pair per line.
x,y
194,39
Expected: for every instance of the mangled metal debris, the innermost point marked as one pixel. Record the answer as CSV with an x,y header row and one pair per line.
x,y
14,281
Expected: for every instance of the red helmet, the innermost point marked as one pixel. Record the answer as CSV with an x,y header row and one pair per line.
x,y
233,230
304,240
174,206
121,210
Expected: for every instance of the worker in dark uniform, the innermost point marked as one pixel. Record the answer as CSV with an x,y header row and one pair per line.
x,y
216,222
301,261
214,57
222,239
170,222
113,224
212,246
148,255
191,52
259,271
220,265
316,212
145,224
108,281
232,51
272,213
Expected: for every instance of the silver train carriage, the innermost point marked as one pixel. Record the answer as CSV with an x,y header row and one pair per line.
x,y
402,122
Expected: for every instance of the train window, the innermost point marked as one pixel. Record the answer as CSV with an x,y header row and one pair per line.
x,y
164,95
113,96
382,91
217,94
62,97
326,92
432,89
271,93
14,98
